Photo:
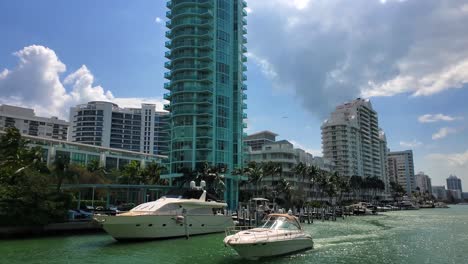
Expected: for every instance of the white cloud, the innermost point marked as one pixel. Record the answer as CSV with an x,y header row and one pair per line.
x,y
411,144
158,20
327,53
443,132
431,118
423,84
265,66
36,83
454,159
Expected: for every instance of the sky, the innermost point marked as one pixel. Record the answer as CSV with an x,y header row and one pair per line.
x,y
410,57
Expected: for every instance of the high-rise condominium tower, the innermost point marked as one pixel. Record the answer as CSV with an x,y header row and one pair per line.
x,y
206,63
352,140
401,169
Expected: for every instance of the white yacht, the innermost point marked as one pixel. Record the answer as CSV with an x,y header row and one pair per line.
x,y
173,215
280,234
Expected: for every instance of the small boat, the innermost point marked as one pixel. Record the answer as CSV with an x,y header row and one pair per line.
x,y
184,213
363,208
280,234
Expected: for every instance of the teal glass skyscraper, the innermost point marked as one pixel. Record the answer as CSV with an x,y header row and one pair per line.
x,y
206,85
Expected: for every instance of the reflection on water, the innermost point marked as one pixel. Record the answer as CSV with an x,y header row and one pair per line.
x,y
424,236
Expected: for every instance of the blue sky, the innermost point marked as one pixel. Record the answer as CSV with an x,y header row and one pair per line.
x,y
305,57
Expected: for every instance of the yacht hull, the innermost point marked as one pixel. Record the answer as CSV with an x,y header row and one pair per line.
x,y
162,226
274,248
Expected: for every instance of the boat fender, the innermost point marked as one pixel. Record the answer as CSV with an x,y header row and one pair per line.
x,y
179,219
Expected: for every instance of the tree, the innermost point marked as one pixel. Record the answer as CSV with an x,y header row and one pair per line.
x,y
214,178
397,190
60,170
255,173
151,174
356,184
131,173
25,196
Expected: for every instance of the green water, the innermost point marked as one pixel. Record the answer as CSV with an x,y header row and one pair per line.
x,y
425,236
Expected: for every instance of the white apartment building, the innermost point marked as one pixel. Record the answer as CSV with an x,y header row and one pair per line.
x,y
106,124
401,169
351,138
26,121
384,157
423,182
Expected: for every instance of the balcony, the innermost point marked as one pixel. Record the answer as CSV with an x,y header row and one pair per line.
x,y
169,4
244,125
168,65
168,34
244,49
244,21
244,68
244,77
244,13
167,107
167,96
244,3
244,30
244,96
244,106
168,44
244,58
244,87
244,115
168,24
169,14
167,85
167,75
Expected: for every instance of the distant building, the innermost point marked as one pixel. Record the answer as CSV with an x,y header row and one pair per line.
x,y
455,195
82,154
401,169
281,152
324,164
26,121
384,157
465,195
439,192
454,183
423,182
351,138
106,124
257,140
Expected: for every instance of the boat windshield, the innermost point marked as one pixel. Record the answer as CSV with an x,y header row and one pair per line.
x,y
276,223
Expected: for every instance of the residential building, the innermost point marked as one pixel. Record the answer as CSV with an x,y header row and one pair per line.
x,y
284,154
324,164
351,138
384,157
82,154
454,195
439,192
257,140
465,195
454,183
423,182
26,121
401,169
106,124
206,86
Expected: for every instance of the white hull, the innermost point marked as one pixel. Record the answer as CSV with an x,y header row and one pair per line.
x,y
162,226
274,248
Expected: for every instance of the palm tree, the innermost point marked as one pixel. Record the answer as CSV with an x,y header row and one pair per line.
x,y
131,173
301,170
312,174
152,174
255,173
61,170
213,177
284,188
356,185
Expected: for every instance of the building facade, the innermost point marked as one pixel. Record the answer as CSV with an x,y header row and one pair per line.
x,y
439,192
423,182
401,169
257,140
106,124
206,85
454,183
206,42
26,121
351,138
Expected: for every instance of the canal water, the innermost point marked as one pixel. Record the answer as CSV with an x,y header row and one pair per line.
x,y
424,236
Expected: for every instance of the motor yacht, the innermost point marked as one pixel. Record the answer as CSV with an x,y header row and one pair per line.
x,y
280,234
190,212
